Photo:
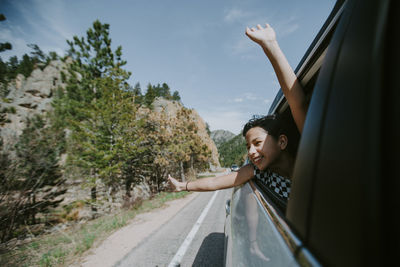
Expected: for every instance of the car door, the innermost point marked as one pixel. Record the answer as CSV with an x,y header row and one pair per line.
x,y
340,192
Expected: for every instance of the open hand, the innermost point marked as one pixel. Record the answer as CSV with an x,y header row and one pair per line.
x,y
175,183
261,36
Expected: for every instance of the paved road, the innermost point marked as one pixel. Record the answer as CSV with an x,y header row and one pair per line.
x,y
207,246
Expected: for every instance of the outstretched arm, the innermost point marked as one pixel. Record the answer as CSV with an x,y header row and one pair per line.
x,y
291,87
215,183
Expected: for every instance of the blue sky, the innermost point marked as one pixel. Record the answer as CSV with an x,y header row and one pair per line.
x,y
197,47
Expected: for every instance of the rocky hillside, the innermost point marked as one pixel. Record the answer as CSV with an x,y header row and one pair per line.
x,y
33,95
221,136
27,97
172,107
78,141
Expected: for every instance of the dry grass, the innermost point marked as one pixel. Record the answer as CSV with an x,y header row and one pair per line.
x,y
64,246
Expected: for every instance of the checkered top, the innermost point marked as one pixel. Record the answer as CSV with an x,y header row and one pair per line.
x,y
278,184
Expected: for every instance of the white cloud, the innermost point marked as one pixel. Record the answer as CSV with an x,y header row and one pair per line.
x,y
245,98
286,27
250,96
235,14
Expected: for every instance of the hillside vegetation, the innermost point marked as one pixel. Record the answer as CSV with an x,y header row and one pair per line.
x,y
231,148
221,136
98,142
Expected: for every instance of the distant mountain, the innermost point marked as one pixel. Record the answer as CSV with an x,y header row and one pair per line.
x,y
221,136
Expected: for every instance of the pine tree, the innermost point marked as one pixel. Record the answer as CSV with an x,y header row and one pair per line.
x,y
150,95
176,96
32,184
165,91
137,92
99,109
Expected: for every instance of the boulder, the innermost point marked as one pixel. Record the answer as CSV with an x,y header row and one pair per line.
x,y
30,96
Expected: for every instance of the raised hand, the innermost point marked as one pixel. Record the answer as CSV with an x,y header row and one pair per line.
x,y
291,87
260,35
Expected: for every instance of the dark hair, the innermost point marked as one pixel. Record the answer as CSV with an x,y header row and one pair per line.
x,y
275,125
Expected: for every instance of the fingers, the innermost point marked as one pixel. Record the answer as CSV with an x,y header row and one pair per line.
x,y
259,27
250,29
171,181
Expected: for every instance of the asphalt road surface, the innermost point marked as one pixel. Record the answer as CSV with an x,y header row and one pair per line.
x,y
197,231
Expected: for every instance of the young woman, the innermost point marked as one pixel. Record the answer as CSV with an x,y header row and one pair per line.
x,y
271,143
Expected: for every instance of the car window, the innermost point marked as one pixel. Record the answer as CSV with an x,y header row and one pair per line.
x,y
257,243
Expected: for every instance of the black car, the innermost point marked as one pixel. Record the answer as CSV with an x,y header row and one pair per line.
x,y
343,203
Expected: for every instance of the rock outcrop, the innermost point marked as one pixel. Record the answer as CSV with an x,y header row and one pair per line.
x,y
171,108
34,95
221,136
29,96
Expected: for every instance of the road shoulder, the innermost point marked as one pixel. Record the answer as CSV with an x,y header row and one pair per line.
x,y
120,243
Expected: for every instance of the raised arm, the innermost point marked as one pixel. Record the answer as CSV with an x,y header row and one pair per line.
x,y
291,87
215,183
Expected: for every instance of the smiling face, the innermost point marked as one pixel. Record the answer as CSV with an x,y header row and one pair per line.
x,y
263,149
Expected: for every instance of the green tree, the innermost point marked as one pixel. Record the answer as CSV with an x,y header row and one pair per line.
x,y
12,67
26,65
137,92
208,129
233,151
33,183
176,96
150,95
99,108
37,54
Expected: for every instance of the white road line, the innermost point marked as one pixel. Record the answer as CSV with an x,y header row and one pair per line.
x,y
186,243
